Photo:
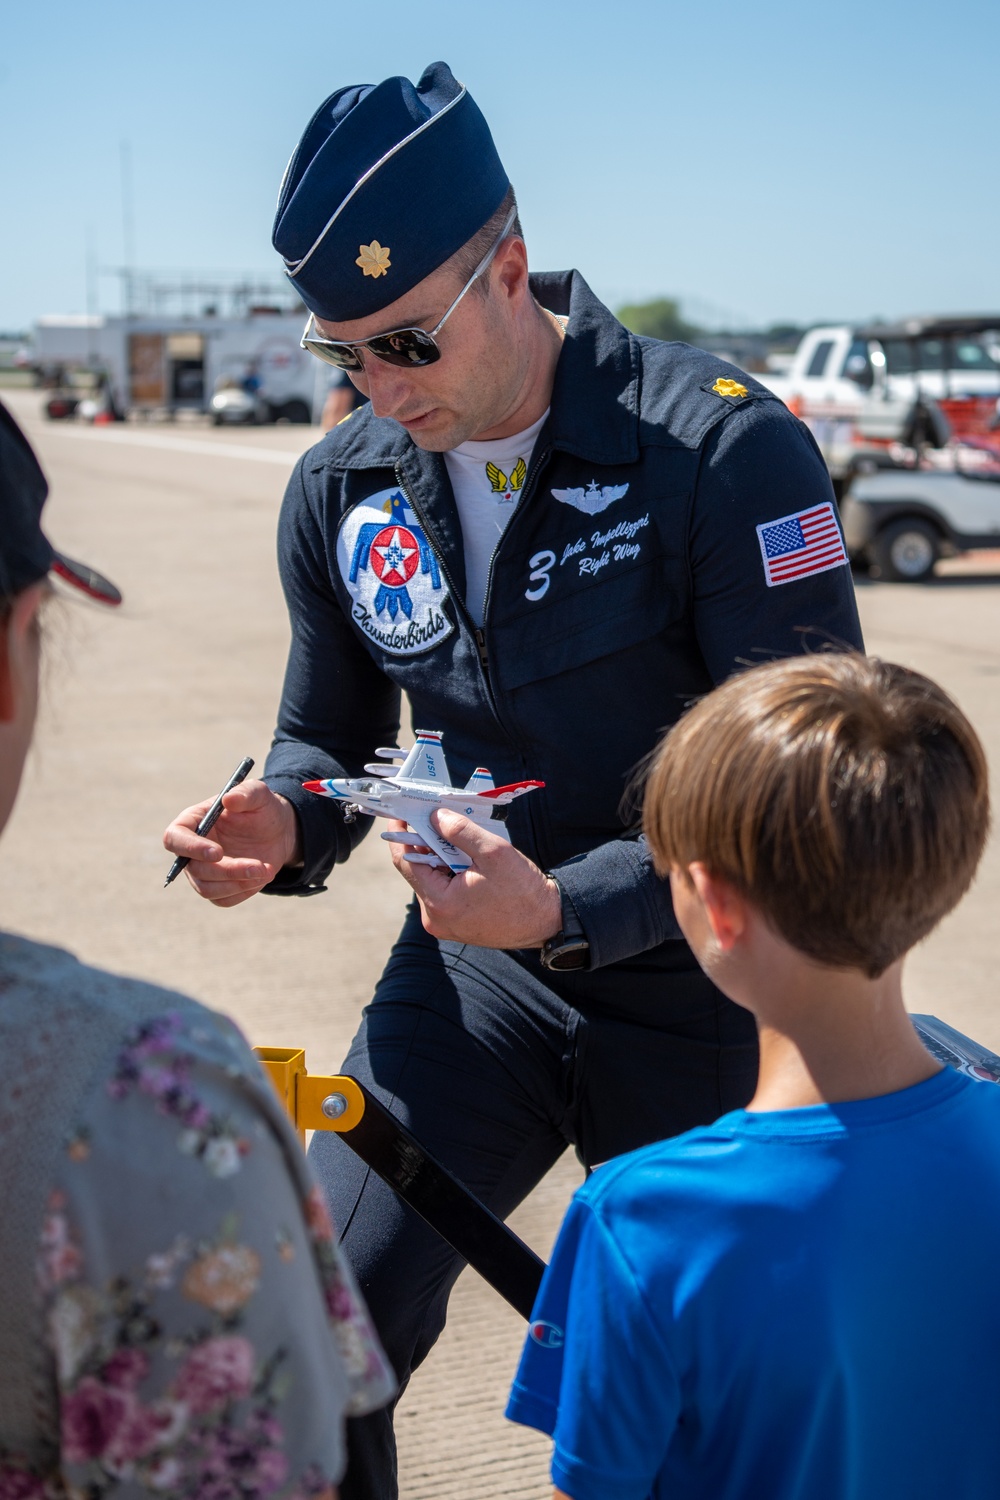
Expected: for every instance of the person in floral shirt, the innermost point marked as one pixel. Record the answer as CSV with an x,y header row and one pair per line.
x,y
175,1317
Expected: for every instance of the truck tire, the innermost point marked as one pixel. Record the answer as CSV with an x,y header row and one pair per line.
x,y
905,552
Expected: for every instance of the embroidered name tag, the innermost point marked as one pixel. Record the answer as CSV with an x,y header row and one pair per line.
x,y
393,577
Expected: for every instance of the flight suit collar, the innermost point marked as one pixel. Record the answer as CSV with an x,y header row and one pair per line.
x,y
593,416
595,396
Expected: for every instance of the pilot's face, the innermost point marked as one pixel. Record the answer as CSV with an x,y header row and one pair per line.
x,y
477,381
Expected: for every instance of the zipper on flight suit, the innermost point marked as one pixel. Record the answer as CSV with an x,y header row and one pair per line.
x,y
539,459
479,633
457,599
537,462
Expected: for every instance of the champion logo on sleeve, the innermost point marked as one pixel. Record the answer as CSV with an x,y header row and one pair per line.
x,y
549,1335
796,546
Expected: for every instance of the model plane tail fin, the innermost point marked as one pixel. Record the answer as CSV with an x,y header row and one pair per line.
x,y
480,781
426,761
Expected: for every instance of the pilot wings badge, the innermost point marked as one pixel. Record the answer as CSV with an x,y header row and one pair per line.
x,y
395,581
593,499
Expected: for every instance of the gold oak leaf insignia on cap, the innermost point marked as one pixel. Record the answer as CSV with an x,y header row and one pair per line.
x,y
374,259
724,387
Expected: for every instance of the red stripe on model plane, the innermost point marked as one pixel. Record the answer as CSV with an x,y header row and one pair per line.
x,y
514,786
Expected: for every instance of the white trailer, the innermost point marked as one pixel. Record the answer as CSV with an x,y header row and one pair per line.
x,y
175,364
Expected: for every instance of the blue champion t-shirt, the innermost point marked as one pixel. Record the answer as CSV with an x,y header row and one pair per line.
x,y
798,1305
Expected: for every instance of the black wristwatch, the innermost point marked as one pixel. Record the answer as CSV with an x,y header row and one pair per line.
x,y
569,949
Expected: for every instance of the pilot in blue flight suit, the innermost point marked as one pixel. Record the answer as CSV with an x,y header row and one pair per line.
x,y
552,536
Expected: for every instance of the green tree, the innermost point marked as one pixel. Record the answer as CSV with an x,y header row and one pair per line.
x,y
659,319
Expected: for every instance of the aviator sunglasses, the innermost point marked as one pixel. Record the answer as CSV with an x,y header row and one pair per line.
x,y
408,347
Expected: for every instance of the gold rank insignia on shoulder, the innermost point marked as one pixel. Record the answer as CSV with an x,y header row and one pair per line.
x,y
374,259
724,387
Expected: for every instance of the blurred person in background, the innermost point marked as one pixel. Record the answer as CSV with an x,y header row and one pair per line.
x,y
175,1316
342,398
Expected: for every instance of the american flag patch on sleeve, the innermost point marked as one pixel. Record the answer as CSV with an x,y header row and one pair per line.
x,y
799,545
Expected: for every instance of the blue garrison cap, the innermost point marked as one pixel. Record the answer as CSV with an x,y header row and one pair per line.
x,y
387,182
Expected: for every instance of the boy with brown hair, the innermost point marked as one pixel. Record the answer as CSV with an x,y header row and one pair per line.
x,y
797,1302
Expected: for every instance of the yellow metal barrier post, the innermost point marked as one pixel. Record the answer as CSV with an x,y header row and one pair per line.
x,y
316,1101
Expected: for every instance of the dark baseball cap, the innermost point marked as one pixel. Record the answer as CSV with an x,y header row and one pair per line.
x,y
26,554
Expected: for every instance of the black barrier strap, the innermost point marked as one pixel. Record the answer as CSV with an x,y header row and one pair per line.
x,y
446,1204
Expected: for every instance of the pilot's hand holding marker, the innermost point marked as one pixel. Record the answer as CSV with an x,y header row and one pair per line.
x,y
211,817
255,833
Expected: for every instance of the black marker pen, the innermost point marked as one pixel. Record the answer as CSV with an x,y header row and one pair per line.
x,y
211,817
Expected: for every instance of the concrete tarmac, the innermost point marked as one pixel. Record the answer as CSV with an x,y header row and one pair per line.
x,y
149,708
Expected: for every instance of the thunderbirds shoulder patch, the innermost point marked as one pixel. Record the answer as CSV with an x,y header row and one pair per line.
x,y
395,581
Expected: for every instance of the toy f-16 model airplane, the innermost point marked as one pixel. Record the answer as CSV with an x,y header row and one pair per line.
x,y
412,792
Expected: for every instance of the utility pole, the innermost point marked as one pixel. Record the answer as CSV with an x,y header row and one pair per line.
x,y
128,229
91,298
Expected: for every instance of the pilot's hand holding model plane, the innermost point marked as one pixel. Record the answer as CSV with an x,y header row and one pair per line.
x,y
451,845
479,888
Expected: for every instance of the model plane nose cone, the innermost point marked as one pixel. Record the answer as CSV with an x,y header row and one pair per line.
x,y
315,786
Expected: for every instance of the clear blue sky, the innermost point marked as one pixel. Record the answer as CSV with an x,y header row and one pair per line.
x,y
762,160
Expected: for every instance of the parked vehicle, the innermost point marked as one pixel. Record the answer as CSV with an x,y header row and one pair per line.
x,y
826,385
898,522
863,385
924,479
232,404
164,366
80,393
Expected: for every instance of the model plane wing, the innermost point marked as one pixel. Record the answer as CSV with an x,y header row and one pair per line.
x,y
449,856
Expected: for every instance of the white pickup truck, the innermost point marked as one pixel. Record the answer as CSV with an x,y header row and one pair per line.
x,y
826,385
847,382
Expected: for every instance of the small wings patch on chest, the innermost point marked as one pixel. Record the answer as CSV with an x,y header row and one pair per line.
x,y
499,482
